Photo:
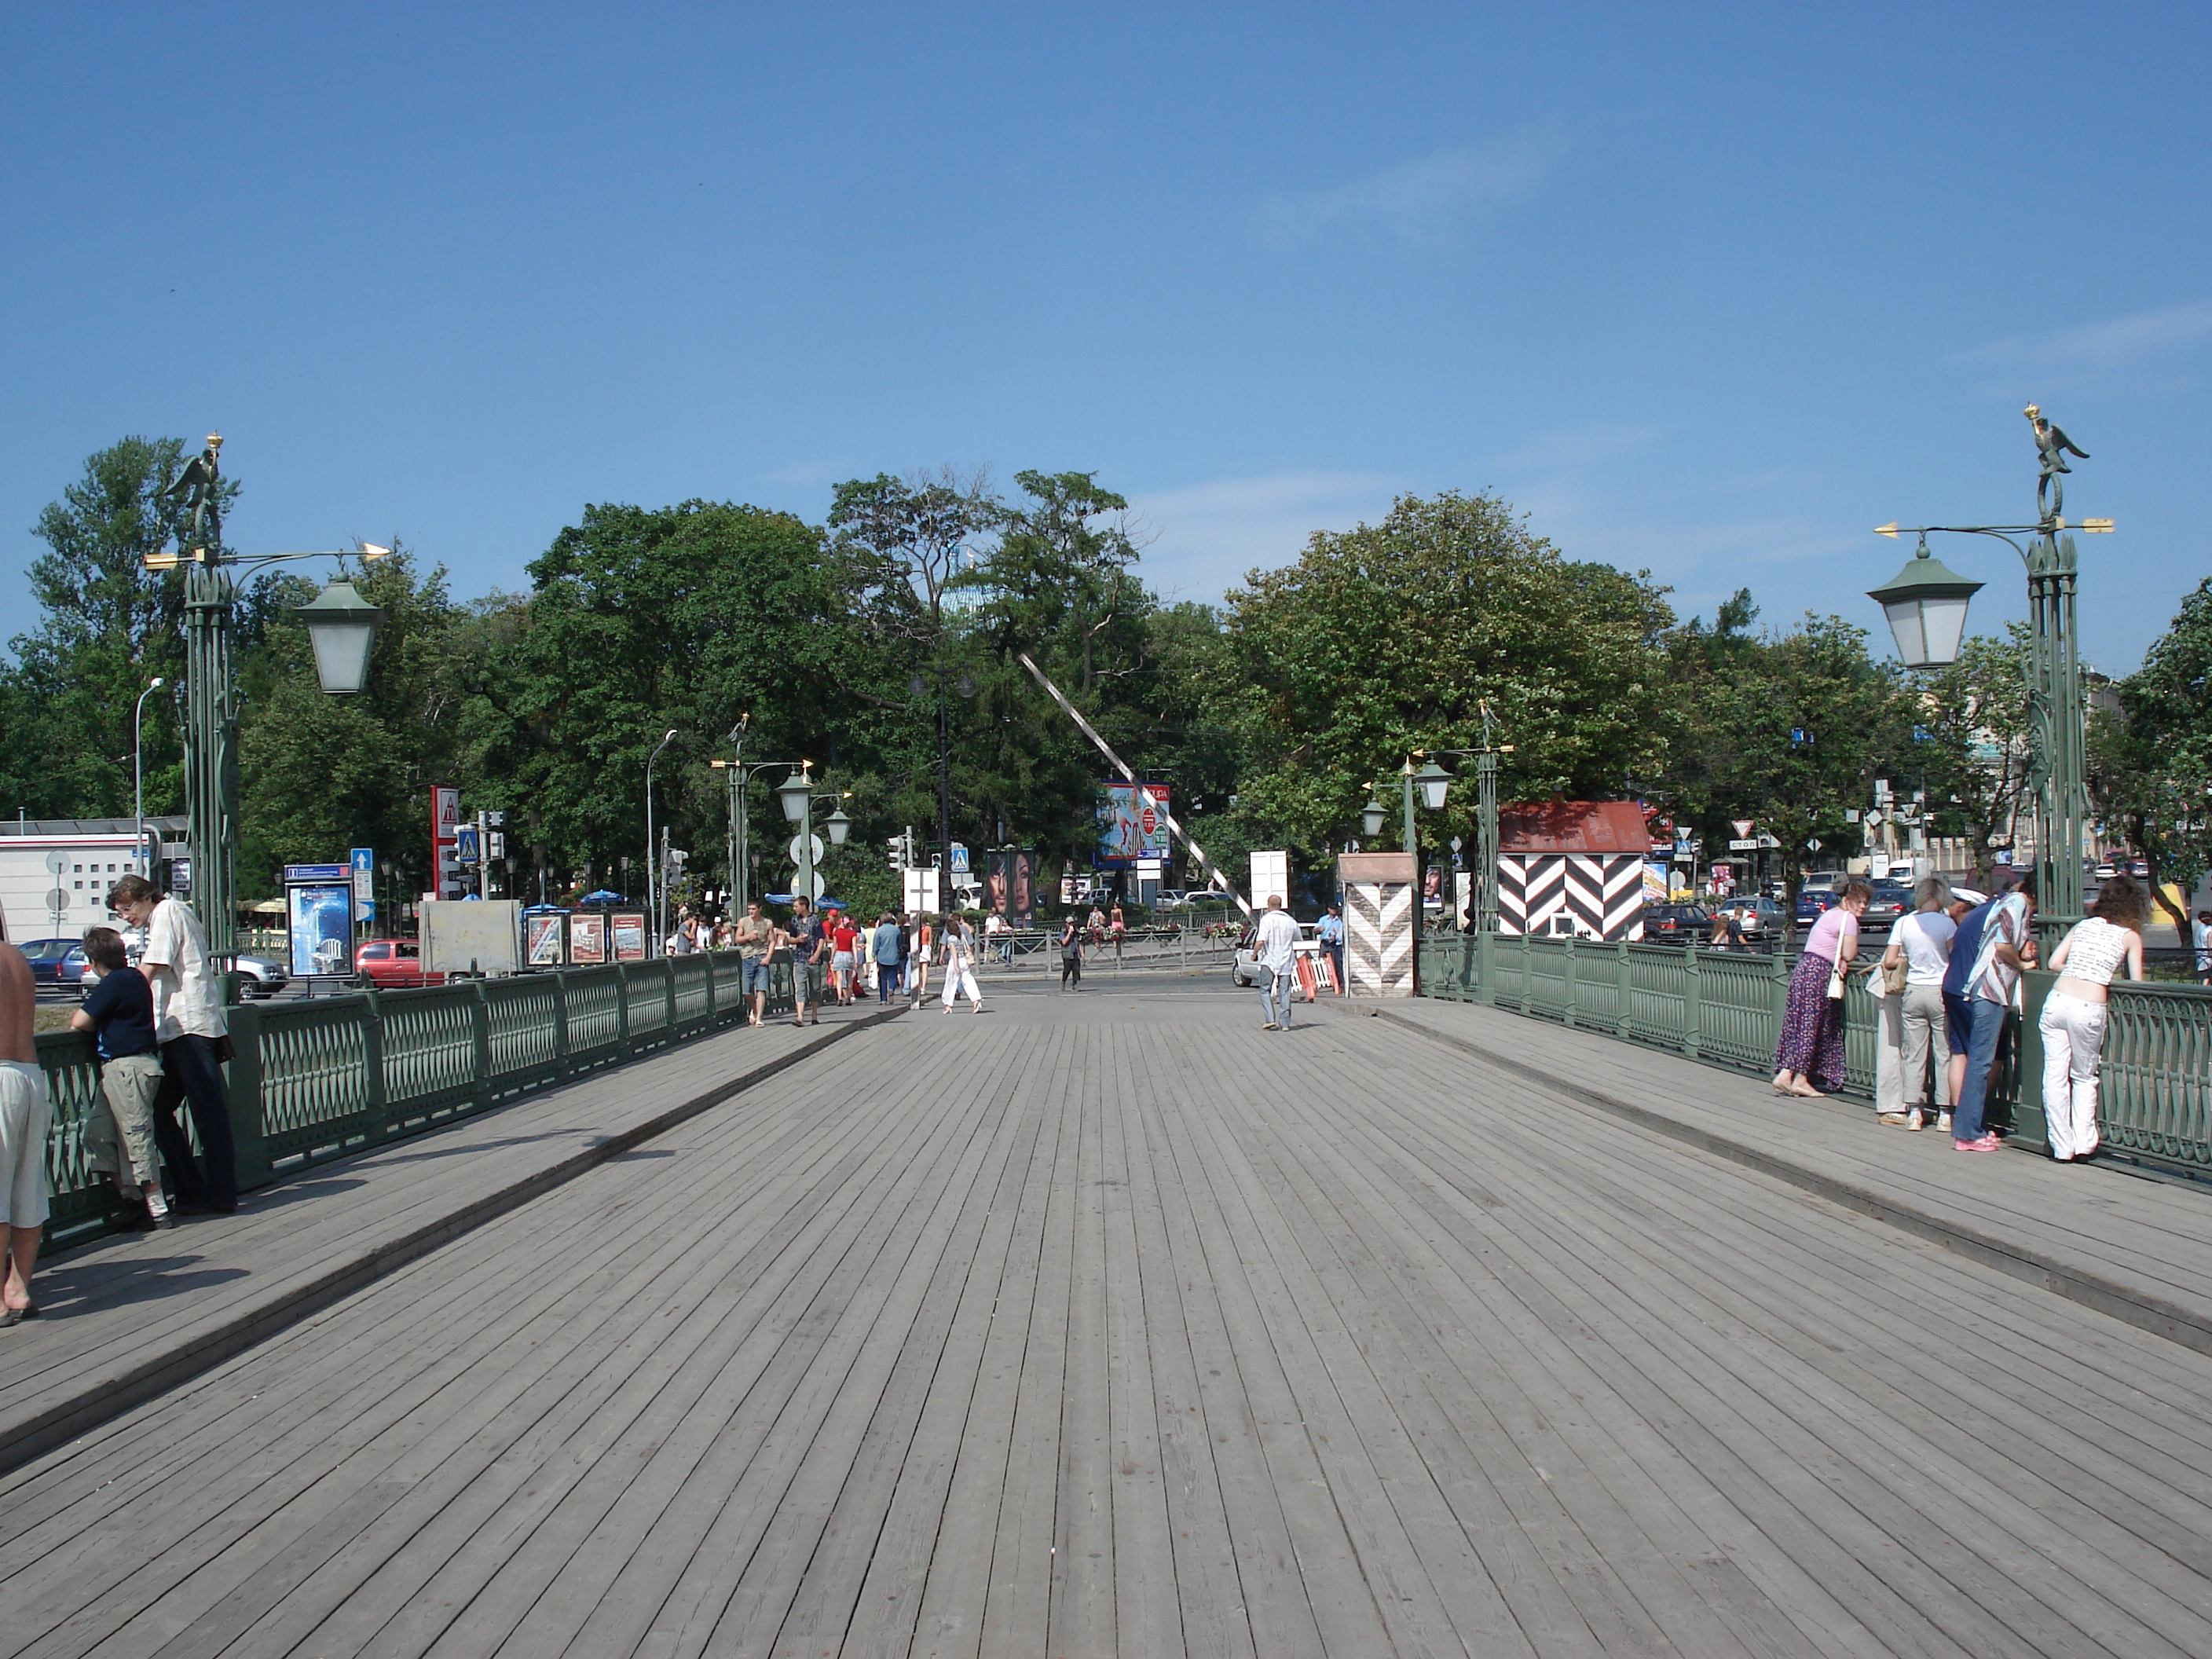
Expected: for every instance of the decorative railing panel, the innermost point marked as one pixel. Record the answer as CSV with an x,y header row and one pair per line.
x,y
314,1079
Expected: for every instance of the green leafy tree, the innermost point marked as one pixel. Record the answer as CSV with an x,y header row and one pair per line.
x,y
1789,730
2151,770
107,626
642,620
1389,637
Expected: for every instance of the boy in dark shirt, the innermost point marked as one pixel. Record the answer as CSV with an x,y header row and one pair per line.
x,y
119,1012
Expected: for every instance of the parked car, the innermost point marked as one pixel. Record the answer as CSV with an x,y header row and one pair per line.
x,y
389,963
1674,924
1890,901
1245,966
1813,904
1758,918
260,977
46,956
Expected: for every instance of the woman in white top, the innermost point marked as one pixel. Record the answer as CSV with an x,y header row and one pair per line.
x,y
1922,942
959,946
2072,1023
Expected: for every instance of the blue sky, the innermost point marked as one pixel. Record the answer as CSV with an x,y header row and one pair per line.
x,y
1710,290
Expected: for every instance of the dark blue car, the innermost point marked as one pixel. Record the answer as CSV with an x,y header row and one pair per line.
x,y
45,957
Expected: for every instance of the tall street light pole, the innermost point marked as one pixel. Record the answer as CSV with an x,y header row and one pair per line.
x,y
966,687
653,847
1926,605
138,772
340,624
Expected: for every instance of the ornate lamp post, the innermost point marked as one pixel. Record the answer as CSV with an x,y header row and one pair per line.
x,y
796,793
1926,605
145,865
343,626
653,883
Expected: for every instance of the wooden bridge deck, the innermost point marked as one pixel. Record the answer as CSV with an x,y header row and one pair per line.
x,y
1115,1324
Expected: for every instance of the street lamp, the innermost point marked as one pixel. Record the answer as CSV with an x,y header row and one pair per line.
x,y
1926,603
342,626
138,774
1372,814
651,847
917,687
1927,609
212,587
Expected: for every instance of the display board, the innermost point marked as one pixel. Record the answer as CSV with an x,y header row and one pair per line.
x,y
318,917
470,936
543,939
587,940
1132,822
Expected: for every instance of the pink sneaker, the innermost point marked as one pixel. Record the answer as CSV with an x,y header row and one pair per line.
x,y
1988,1143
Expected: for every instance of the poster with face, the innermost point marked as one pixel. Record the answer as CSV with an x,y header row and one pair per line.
x,y
1022,896
321,922
628,930
541,940
587,940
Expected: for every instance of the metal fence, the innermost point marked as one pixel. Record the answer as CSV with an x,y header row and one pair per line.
x,y
315,1080
1724,1008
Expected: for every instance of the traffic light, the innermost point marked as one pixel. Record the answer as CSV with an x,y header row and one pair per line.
x,y
897,845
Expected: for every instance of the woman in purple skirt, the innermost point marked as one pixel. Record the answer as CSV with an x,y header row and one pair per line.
x,y
1811,1046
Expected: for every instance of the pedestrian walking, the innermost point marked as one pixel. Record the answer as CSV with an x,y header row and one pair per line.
x,y
888,946
959,949
808,942
1275,953
1329,932
118,1015
2203,939
2073,1014
1118,926
2005,949
1811,1051
844,956
754,935
1070,955
925,940
1912,968
194,1040
26,1120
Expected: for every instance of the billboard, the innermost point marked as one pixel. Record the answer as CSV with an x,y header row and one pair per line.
x,y
626,931
318,917
542,938
587,938
1132,822
1010,884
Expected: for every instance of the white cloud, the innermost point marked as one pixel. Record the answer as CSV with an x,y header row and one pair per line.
x,y
1419,200
1207,536
2116,343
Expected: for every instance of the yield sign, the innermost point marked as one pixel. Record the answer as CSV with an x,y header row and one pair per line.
x,y
1742,825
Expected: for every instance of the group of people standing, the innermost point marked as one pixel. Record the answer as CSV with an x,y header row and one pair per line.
x,y
833,954
160,1038
1945,986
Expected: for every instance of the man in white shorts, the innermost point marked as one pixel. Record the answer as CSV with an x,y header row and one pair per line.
x,y
24,1118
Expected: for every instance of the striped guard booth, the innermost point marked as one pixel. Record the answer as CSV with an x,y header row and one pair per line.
x,y
1572,867
1381,904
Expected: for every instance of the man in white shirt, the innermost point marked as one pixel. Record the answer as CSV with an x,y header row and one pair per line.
x,y
190,1027
1275,952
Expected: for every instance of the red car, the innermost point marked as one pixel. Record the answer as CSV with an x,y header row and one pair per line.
x,y
388,964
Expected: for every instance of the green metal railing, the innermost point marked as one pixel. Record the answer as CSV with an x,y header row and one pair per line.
x,y
1724,1008
315,1080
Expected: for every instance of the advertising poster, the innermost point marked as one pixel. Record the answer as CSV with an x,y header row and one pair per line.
x,y
587,940
1010,885
320,919
1132,822
541,940
627,929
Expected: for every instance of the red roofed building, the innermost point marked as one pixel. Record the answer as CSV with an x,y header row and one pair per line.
x,y
1572,867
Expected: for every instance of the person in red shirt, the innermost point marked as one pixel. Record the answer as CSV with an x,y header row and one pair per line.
x,y
844,947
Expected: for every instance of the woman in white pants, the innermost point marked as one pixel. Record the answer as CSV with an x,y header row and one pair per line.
x,y
960,963
2072,1023
1921,944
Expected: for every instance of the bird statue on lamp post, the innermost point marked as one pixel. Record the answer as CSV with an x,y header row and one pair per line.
x,y
2054,446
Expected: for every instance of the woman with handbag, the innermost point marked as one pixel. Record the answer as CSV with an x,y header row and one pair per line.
x,y
1070,955
1912,971
1811,1050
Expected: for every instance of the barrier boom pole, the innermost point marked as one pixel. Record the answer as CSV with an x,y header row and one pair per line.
x,y
1122,767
